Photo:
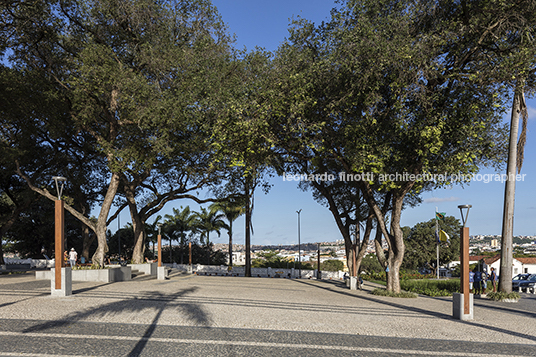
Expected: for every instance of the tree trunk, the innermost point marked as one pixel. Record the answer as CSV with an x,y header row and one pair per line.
x,y
397,247
505,274
88,239
182,247
139,238
137,225
102,248
230,243
350,254
363,246
394,238
248,227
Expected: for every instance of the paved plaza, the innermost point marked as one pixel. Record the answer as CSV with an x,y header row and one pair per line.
x,y
191,315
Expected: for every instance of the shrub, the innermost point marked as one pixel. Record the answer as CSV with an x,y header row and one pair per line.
x,y
500,296
88,267
431,287
384,292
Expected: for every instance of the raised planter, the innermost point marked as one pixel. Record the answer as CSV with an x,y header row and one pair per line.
x,y
100,275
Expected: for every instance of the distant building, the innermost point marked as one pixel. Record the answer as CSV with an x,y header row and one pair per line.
x,y
519,265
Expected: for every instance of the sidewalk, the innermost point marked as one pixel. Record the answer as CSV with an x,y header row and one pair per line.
x,y
277,305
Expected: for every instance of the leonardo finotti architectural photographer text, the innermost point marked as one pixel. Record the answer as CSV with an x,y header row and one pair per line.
x,y
403,177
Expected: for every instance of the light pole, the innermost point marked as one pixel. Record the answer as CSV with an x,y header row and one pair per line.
x,y
299,245
463,302
319,274
57,288
159,244
119,235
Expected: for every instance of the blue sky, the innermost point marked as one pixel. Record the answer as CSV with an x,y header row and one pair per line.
x,y
265,24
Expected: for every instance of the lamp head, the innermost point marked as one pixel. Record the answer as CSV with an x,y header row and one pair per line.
x,y
59,188
462,207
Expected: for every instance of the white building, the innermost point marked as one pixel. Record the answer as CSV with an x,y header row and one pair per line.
x,y
519,265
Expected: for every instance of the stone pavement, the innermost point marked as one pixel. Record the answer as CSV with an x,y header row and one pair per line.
x,y
230,316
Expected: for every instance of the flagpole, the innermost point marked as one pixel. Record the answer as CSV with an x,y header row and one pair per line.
x,y
437,243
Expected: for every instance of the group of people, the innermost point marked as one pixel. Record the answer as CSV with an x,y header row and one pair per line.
x,y
478,281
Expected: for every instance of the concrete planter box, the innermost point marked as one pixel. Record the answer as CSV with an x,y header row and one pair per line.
x,y
146,268
101,275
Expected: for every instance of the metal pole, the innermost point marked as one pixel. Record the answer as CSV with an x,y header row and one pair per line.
x,y
299,245
119,235
318,276
437,243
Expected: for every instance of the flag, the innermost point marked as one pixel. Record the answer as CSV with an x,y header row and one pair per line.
x,y
439,216
444,237
437,237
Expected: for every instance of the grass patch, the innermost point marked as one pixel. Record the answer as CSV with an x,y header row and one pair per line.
x,y
500,296
384,292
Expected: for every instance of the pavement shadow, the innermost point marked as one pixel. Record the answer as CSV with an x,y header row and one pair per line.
x,y
524,313
419,310
150,300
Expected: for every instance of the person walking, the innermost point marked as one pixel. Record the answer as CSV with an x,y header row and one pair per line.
x,y
73,257
478,281
493,278
471,280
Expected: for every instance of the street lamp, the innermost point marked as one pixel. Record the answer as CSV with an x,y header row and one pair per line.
x,y
159,244
299,245
59,238
463,303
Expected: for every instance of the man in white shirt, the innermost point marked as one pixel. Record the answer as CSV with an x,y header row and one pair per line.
x,y
73,256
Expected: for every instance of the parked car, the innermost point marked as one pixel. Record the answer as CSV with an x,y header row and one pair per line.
x,y
524,282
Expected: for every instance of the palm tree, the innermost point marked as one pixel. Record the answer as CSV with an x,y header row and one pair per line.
x,y
209,221
177,225
515,161
231,209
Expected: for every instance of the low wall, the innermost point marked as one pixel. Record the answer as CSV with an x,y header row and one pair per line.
x,y
146,268
29,263
100,275
258,272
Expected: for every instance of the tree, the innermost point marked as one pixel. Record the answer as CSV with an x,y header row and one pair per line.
x,y
501,36
209,221
372,90
421,244
32,235
231,209
178,224
332,265
244,140
118,66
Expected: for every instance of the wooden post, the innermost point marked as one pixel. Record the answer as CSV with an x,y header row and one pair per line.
x,y
159,250
59,238
190,253
464,271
